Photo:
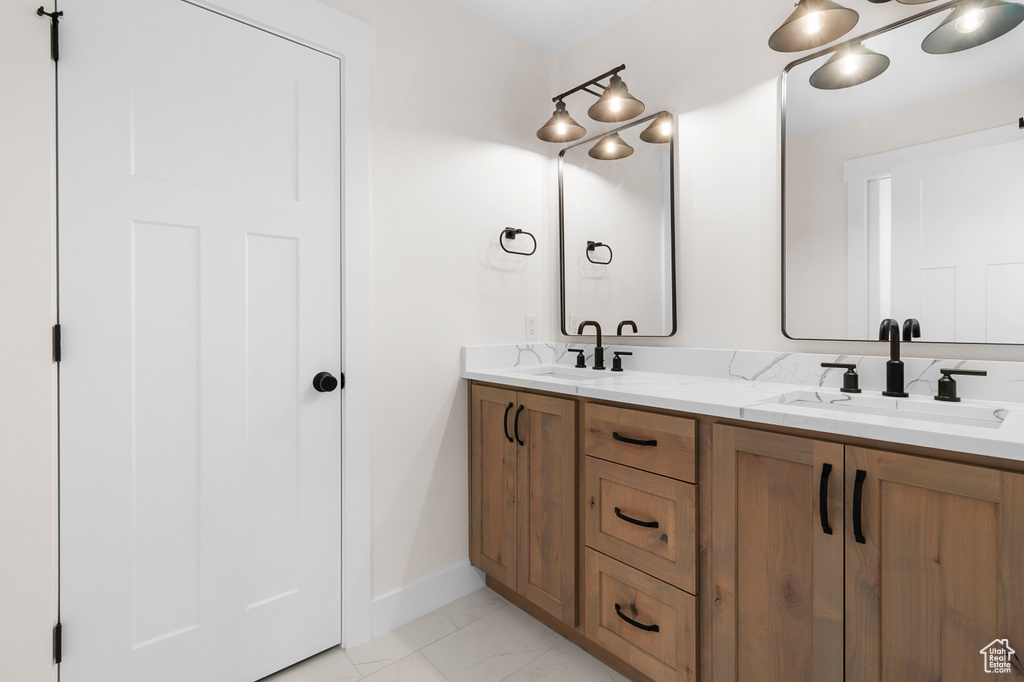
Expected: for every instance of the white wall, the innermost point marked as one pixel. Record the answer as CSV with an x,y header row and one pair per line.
x,y
28,480
454,160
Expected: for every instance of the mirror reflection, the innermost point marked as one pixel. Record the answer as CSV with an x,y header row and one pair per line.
x,y
904,194
617,230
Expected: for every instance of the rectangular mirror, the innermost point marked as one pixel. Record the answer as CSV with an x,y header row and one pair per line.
x,y
617,228
903,196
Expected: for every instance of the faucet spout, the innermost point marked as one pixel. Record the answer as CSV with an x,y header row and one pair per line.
x,y
631,323
890,331
599,350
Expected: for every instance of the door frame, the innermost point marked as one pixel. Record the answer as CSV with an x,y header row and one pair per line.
x,y
353,43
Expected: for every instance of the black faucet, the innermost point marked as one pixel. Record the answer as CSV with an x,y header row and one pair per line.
x,y
598,351
890,331
631,323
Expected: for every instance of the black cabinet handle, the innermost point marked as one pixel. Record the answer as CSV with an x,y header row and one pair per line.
x,y
634,441
858,502
826,470
645,524
641,626
519,412
505,422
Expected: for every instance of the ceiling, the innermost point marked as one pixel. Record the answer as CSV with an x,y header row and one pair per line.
x,y
554,26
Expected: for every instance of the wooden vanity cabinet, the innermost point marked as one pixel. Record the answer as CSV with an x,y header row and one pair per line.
x,y
523,495
929,554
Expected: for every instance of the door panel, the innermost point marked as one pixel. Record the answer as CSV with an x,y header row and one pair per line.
x,y
547,505
938,546
776,573
493,466
200,293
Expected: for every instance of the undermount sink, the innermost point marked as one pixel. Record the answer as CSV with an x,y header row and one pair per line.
x,y
918,408
562,373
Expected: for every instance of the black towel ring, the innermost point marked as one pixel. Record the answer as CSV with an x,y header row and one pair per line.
x,y
591,246
510,233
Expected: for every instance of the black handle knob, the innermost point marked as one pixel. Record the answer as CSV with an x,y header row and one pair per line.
x,y
947,384
858,506
634,441
324,382
635,522
516,424
581,360
851,382
505,422
636,624
826,470
617,361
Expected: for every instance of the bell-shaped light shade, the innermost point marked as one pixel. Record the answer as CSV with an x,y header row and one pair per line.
x,y
616,104
659,131
849,66
812,24
913,2
610,147
560,127
973,23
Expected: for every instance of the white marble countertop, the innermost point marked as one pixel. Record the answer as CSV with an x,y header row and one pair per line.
x,y
981,427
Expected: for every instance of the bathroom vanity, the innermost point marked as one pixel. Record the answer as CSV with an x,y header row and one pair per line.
x,y
685,527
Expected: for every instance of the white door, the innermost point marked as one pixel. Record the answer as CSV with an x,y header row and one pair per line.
x,y
199,183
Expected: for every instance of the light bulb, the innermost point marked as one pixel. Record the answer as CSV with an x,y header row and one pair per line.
x,y
561,128
615,104
609,146
850,65
971,21
813,23
665,128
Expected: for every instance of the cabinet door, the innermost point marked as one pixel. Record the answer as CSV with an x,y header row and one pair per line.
x,y
492,518
777,575
547,504
938,572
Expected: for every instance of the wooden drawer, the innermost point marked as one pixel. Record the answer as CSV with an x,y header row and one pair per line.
x,y
668,654
618,499
643,440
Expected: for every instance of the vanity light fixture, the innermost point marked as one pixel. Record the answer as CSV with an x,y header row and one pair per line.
x,y
973,23
610,147
614,104
659,131
561,127
850,65
812,24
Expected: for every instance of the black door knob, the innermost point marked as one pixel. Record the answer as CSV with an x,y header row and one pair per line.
x,y
325,382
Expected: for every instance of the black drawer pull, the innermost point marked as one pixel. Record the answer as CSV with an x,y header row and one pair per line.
x,y
641,626
826,469
516,425
645,524
634,441
505,423
858,502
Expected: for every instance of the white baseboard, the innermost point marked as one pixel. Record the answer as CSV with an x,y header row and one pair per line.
x,y
409,603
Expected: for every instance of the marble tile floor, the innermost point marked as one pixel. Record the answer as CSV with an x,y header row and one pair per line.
x,y
478,638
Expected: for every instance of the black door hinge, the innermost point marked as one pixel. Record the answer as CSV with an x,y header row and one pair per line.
x,y
58,645
56,343
54,31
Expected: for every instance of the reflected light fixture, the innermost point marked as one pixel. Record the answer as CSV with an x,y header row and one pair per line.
x,y
850,65
561,127
973,23
610,147
812,24
659,131
616,104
